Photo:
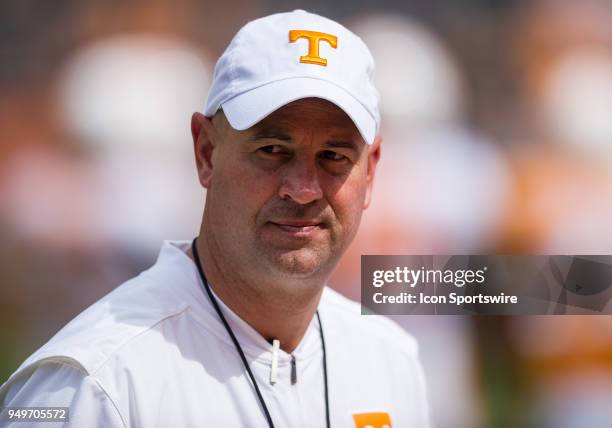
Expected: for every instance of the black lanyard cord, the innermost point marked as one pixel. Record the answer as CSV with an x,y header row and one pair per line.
x,y
194,249
196,257
324,371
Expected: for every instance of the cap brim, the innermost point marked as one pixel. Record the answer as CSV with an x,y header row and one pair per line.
x,y
246,109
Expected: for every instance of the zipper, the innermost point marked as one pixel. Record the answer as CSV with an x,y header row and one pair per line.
x,y
293,370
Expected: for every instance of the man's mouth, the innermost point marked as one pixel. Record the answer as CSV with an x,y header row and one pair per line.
x,y
297,227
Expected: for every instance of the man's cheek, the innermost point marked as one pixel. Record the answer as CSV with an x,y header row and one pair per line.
x,y
348,213
351,199
356,210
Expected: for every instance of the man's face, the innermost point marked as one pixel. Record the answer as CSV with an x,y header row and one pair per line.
x,y
286,196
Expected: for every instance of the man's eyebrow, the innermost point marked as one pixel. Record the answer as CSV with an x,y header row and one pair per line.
x,y
336,144
270,135
280,135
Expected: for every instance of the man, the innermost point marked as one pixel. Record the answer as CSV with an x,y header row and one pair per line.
x,y
237,328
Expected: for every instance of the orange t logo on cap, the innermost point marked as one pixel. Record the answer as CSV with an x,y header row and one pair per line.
x,y
314,38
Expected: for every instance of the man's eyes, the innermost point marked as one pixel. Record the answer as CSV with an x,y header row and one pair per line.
x,y
275,149
333,156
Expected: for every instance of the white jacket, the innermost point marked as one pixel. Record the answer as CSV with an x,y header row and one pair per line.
x,y
153,353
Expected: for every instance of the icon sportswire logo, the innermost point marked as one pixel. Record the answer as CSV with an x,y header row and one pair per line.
x,y
314,39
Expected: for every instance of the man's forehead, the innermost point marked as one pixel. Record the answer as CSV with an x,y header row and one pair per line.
x,y
309,112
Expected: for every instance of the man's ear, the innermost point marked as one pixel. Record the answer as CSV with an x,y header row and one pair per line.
x,y
204,137
373,158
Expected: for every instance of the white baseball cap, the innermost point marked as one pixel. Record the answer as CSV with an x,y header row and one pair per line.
x,y
284,57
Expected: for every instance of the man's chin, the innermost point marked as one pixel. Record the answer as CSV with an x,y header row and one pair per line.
x,y
303,262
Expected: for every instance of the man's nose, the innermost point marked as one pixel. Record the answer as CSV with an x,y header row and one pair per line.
x,y
300,182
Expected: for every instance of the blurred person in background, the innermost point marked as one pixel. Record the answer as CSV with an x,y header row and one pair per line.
x,y
237,328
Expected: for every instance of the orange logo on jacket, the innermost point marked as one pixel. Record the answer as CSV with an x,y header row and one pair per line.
x,y
372,420
314,39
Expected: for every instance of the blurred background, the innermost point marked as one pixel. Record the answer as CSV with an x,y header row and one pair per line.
x,y
497,126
